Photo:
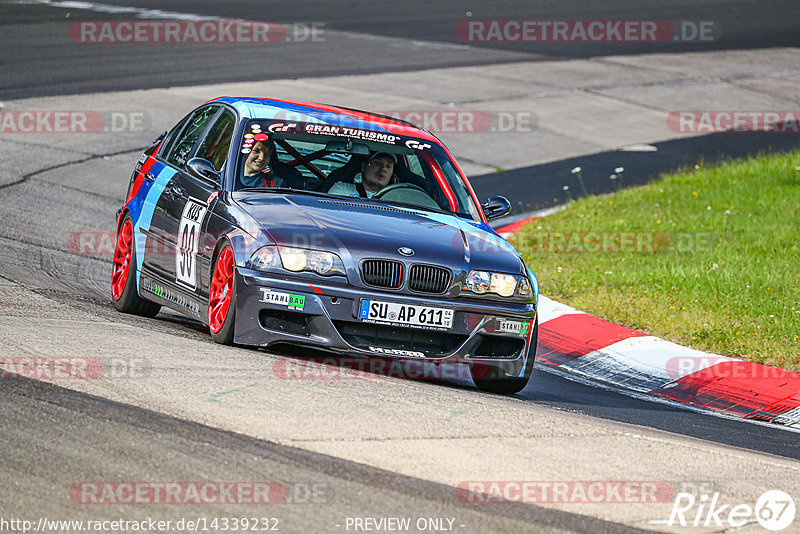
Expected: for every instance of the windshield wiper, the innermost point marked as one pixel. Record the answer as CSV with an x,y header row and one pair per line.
x,y
422,208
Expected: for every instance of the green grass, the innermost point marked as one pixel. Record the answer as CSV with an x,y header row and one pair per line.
x,y
712,260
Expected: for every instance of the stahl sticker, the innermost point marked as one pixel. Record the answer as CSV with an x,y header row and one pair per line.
x,y
297,302
514,327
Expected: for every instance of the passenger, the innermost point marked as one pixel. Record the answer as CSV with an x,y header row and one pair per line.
x,y
376,173
256,171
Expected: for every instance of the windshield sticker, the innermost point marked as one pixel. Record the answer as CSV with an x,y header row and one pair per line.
x,y
251,139
336,130
416,145
355,133
281,127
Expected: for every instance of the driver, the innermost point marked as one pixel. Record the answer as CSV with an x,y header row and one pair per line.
x,y
256,171
376,173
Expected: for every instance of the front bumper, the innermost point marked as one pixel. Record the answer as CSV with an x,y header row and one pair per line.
x,y
324,314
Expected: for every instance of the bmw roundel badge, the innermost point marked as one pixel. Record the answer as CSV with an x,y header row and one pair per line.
x,y
405,251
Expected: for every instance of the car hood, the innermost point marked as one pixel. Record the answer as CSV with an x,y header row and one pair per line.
x,y
357,229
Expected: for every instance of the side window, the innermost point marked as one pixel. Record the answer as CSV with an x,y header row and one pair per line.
x,y
180,153
463,198
215,146
173,134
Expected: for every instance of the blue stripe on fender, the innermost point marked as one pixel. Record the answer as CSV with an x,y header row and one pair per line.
x,y
136,204
142,210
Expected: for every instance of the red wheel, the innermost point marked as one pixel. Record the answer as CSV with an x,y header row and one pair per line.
x,y
123,285
122,259
221,297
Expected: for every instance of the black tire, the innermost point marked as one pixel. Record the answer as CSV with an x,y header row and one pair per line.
x,y
224,335
129,300
492,379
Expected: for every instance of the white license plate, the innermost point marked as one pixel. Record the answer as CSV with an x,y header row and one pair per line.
x,y
405,314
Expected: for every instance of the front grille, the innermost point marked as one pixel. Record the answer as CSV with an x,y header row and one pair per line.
x,y
429,342
382,273
429,279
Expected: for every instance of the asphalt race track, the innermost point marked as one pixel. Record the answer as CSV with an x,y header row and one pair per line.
x,y
361,37
185,409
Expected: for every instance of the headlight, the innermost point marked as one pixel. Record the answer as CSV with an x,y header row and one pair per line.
x,y
264,258
297,260
320,262
294,259
505,285
524,289
479,281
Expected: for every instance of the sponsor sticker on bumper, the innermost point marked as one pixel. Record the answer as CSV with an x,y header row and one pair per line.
x,y
296,302
375,311
514,327
398,352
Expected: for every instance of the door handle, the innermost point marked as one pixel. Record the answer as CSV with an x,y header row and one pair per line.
x,y
175,191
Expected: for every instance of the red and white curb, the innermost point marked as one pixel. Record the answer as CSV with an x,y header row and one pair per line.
x,y
590,347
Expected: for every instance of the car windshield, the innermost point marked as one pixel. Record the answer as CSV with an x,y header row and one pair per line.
x,y
351,162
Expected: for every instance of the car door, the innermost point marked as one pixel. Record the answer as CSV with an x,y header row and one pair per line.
x,y
170,179
194,203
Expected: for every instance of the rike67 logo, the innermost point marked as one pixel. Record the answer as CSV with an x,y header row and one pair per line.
x,y
774,510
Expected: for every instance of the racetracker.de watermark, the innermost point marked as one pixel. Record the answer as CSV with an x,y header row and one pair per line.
x,y
588,31
564,491
719,367
96,243
734,121
72,121
72,368
611,242
116,493
344,368
439,121
436,121
193,32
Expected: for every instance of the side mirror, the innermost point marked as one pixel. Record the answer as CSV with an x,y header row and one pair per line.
x,y
496,207
155,141
203,168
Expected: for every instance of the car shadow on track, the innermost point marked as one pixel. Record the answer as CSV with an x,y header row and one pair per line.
x,y
310,363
